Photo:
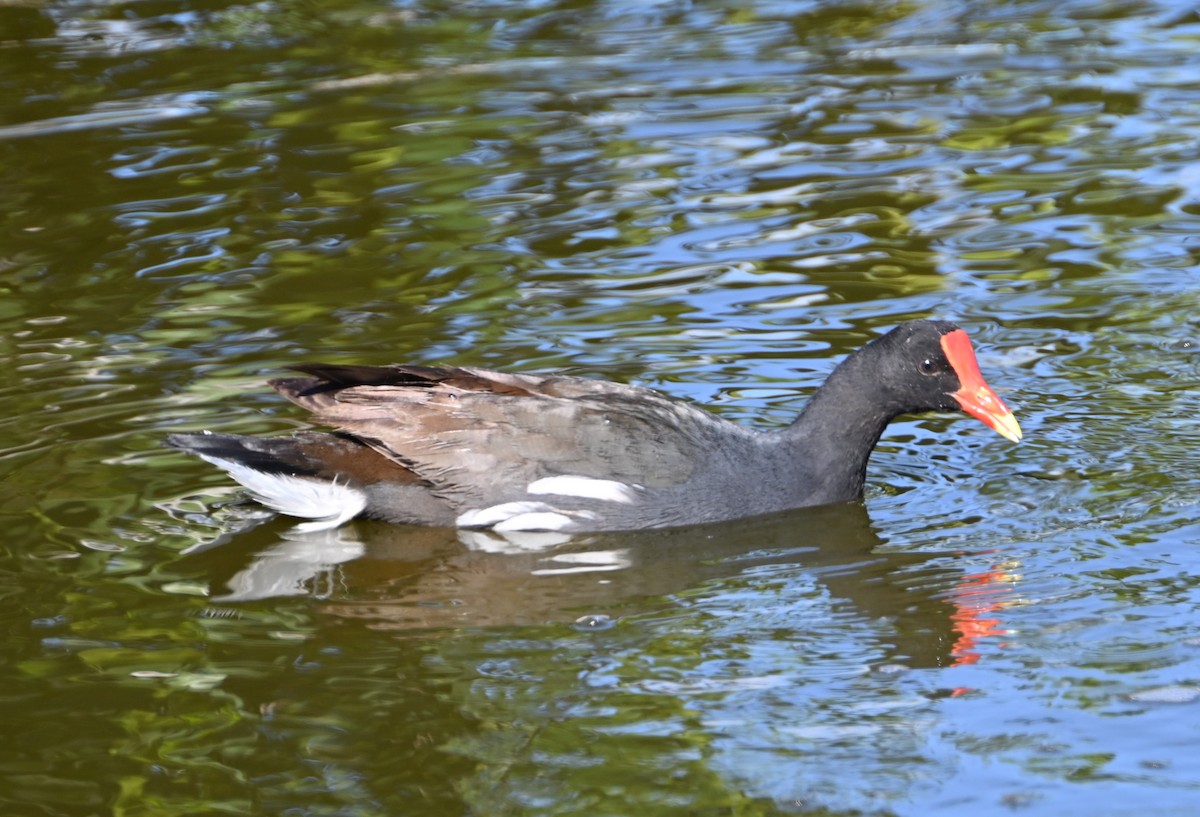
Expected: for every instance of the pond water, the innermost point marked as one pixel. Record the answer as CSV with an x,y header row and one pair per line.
x,y
716,199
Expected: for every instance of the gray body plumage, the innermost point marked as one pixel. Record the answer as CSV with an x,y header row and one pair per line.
x,y
477,448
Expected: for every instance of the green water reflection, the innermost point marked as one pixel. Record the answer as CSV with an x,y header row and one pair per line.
x,y
715,199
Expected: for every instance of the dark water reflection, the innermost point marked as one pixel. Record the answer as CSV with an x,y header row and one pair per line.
x,y
398,578
716,199
704,623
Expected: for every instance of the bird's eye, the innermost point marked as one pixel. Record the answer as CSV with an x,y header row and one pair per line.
x,y
927,366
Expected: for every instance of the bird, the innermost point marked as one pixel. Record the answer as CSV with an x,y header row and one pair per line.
x,y
473,448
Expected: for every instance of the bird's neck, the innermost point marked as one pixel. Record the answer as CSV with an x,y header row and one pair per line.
x,y
832,439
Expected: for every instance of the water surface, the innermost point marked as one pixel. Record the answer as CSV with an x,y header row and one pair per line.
x,y
715,199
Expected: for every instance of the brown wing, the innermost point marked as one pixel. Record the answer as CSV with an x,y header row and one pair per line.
x,y
483,435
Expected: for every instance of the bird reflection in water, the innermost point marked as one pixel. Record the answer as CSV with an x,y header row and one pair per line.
x,y
931,613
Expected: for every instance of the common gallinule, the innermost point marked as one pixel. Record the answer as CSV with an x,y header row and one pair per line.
x,y
474,448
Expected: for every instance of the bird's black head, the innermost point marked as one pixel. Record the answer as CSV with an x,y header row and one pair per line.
x,y
930,366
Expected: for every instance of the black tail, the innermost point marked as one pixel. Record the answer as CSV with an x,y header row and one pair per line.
x,y
271,455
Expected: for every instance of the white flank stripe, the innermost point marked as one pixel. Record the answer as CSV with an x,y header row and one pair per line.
x,y
327,503
608,490
535,521
521,516
487,517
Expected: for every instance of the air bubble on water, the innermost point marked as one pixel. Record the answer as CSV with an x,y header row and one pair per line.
x,y
1172,694
593,622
